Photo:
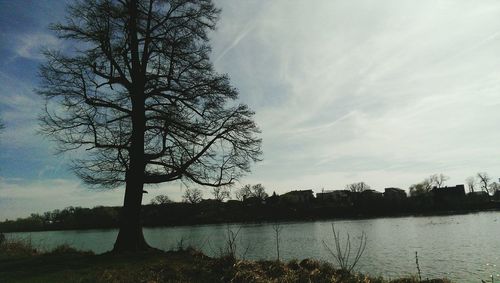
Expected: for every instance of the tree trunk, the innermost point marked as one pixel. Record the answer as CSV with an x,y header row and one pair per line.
x,y
130,236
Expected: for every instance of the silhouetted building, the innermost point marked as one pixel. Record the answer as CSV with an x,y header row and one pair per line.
x,y
334,196
394,194
253,201
273,199
480,196
496,195
371,195
449,195
303,196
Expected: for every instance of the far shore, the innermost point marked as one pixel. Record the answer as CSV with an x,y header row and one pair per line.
x,y
359,216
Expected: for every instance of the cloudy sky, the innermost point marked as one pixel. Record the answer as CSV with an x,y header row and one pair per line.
x,y
385,92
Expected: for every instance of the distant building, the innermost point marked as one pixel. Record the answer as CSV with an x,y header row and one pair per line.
x,y
338,196
273,199
250,201
303,196
371,195
394,194
496,195
448,195
480,196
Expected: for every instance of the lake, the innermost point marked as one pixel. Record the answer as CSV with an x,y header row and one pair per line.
x,y
464,248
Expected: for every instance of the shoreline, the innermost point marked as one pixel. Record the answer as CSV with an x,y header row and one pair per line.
x,y
283,220
21,262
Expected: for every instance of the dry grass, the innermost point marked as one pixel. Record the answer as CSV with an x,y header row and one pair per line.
x,y
20,262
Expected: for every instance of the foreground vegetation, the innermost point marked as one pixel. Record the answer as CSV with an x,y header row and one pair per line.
x,y
20,262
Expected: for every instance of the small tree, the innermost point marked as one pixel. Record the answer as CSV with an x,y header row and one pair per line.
x,y
243,193
247,191
471,183
277,232
484,181
259,192
161,199
438,180
493,187
192,196
220,193
421,188
357,187
342,253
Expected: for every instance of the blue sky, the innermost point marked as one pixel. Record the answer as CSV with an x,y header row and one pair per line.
x,y
386,92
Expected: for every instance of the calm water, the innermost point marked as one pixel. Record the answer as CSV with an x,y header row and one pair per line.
x,y
465,248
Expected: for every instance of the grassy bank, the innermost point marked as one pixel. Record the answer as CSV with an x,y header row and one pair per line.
x,y
20,262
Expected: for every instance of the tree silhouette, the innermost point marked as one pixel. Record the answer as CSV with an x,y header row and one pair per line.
x,y
248,191
357,187
438,180
484,181
471,183
192,195
138,92
220,193
161,199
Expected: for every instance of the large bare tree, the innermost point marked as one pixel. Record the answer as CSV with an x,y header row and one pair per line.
x,y
136,89
484,181
357,187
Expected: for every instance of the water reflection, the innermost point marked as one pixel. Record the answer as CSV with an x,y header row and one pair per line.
x,y
463,248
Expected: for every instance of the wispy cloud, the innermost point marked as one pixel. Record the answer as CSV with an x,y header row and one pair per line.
x,y
385,92
19,198
396,87
20,107
30,46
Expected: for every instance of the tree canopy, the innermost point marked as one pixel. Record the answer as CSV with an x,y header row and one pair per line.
x,y
137,91
190,125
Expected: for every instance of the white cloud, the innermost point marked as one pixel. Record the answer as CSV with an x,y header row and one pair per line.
x,y
20,107
368,89
386,92
29,46
19,198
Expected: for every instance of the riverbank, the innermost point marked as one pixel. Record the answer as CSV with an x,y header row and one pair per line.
x,y
19,262
167,215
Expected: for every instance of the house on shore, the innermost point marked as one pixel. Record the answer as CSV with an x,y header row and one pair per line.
x,y
297,197
449,195
337,196
394,195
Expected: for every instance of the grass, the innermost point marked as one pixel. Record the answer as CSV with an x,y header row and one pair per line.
x,y
20,262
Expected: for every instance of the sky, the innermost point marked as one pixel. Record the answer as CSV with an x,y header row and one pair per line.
x,y
387,92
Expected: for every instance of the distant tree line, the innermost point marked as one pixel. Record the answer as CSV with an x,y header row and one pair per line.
x,y
252,203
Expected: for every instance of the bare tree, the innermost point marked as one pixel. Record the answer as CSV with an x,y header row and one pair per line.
x,y
247,191
484,181
243,193
471,183
421,188
342,252
259,192
438,180
220,193
161,199
277,232
357,187
139,93
493,187
192,195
